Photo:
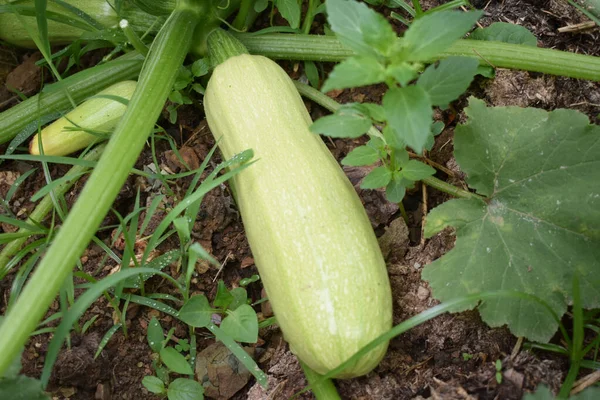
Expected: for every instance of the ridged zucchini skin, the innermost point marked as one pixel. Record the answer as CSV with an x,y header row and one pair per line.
x,y
311,239
97,114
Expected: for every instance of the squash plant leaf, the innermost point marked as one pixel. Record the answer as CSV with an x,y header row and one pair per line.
x,y
434,33
409,116
449,79
542,392
539,224
505,32
360,28
355,72
241,324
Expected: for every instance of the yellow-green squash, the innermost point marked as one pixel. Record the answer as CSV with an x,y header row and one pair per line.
x,y
98,114
312,242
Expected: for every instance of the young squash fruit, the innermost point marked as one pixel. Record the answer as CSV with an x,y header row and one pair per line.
x,y
96,114
73,26
311,239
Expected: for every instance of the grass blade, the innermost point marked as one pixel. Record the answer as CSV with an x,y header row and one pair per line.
x,y
109,334
240,353
80,306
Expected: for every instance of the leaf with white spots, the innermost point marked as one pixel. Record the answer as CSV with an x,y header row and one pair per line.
x,y
539,224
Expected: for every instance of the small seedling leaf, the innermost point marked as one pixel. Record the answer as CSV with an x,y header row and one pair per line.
x,y
261,5
415,170
175,361
290,10
409,115
433,33
106,338
402,72
155,335
241,324
540,223
185,389
223,298
505,32
153,384
449,79
360,28
363,155
240,296
312,73
355,72
395,190
375,111
200,67
247,281
342,125
196,312
176,97
377,178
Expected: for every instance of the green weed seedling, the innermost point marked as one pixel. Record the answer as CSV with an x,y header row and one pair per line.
x,y
184,84
405,115
498,366
167,360
240,324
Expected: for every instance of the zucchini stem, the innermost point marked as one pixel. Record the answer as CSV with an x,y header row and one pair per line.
x,y
222,46
502,55
323,389
45,206
133,38
156,82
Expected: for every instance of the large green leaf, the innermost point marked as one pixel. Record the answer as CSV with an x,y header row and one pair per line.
x,y
354,72
540,223
505,32
360,28
543,393
431,34
409,114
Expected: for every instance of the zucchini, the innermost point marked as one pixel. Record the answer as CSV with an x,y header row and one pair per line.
x,y
99,115
312,241
65,25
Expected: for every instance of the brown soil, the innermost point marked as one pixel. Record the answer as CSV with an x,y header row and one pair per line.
x,y
450,357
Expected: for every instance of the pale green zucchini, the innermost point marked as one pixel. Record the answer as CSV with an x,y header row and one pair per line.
x,y
13,31
98,114
312,241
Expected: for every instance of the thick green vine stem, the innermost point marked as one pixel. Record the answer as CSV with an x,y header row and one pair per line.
x,y
45,206
80,86
156,81
498,54
222,46
323,389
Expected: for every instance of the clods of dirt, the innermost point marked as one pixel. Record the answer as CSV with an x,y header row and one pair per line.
x,y
220,372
